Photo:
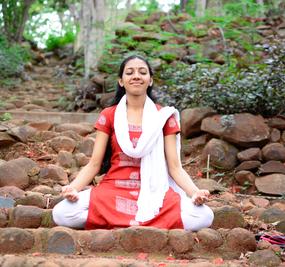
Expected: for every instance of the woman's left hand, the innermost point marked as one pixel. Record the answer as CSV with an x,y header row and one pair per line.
x,y
200,197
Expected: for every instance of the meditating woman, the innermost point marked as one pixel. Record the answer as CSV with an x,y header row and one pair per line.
x,y
145,184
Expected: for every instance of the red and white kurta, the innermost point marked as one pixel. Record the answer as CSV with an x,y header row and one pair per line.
x,y
113,203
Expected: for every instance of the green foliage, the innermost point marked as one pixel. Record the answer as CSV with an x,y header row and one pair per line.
x,y
54,42
12,58
5,116
258,89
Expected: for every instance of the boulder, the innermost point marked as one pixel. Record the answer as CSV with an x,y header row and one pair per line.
x,y
265,258
270,184
274,151
191,119
227,217
234,129
222,154
250,154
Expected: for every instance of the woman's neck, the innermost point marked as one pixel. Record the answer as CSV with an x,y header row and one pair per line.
x,y
135,102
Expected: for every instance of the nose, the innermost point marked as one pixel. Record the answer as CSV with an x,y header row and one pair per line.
x,y
136,75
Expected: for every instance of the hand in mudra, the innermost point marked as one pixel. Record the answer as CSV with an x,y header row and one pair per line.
x,y
200,197
69,193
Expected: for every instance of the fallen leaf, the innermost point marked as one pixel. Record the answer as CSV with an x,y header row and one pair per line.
x,y
142,256
218,261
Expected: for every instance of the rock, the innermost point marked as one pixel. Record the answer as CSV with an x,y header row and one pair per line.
x,y
6,139
82,129
15,240
11,192
272,215
11,174
275,135
256,212
264,258
62,143
189,146
209,238
32,107
250,154
32,199
26,164
209,184
181,241
270,184
273,151
53,173
142,239
81,159
3,218
277,122
279,205
234,129
248,165
41,125
60,240
23,133
222,154
26,217
243,177
272,166
86,147
45,135
240,240
44,189
227,217
102,240
281,226
260,202
73,135
191,119
105,263
106,99
6,202
65,159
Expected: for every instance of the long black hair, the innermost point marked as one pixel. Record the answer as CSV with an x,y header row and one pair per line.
x,y
120,92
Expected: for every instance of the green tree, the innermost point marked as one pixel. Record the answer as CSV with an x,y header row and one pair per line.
x,y
15,14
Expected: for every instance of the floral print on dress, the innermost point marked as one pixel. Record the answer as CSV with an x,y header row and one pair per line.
x,y
102,119
171,122
126,206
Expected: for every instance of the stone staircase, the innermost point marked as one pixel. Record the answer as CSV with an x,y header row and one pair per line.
x,y
29,237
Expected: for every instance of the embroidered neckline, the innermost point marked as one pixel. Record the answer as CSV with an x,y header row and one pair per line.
x,y
135,128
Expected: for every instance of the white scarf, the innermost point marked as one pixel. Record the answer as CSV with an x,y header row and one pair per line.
x,y
155,180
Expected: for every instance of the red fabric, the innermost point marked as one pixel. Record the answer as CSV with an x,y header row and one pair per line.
x,y
113,201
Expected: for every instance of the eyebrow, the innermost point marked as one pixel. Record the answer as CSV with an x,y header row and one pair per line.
x,y
131,68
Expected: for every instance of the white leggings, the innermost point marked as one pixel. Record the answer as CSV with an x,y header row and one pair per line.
x,y
74,214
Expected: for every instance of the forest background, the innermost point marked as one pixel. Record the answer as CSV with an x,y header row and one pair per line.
x,y
228,55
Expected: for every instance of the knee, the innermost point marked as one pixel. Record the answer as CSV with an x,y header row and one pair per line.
x,y
57,214
208,216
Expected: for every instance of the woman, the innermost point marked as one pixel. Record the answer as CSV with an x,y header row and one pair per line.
x,y
146,184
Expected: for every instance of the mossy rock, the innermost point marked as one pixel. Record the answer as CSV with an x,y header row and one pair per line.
x,y
127,28
109,63
149,46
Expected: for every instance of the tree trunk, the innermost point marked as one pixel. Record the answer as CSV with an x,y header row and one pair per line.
x,y
15,15
200,7
216,6
183,4
93,32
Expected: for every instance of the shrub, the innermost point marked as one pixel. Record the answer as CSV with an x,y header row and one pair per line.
x,y
54,41
258,89
12,58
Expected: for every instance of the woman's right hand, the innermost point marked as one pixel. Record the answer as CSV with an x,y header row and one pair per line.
x,y
69,193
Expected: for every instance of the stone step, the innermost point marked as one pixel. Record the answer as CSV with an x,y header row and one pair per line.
x,y
53,117
108,260
206,243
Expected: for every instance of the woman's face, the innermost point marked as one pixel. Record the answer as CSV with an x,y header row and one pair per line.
x,y
136,77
